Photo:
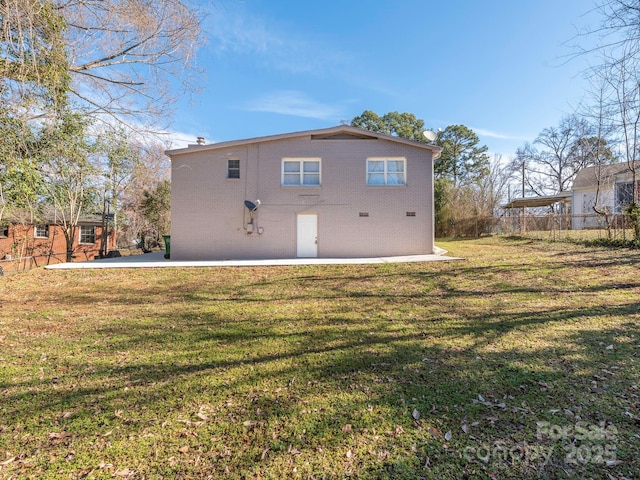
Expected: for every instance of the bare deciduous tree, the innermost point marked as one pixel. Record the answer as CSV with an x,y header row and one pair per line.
x,y
130,50
151,171
553,167
617,42
624,81
618,33
114,58
598,146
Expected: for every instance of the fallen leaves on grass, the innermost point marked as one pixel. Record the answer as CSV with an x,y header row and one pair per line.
x,y
61,438
125,473
202,416
226,368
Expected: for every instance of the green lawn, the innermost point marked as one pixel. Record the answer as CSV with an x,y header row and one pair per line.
x,y
519,362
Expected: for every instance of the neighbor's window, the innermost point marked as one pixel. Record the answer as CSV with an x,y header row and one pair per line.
x,y
87,234
624,195
300,172
233,168
386,171
42,231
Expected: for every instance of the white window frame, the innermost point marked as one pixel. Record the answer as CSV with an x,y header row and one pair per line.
x,y
300,172
234,169
80,235
385,173
37,227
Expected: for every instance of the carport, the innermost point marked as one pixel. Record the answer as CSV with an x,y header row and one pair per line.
x,y
563,198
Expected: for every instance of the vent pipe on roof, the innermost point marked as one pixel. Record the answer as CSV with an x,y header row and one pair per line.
x,y
200,141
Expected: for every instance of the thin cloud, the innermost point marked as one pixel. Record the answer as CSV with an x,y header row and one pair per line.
x,y
235,30
500,136
295,104
240,33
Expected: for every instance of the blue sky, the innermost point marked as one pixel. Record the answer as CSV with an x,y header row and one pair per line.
x,y
500,67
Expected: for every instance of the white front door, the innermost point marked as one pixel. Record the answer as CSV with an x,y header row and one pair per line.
x,y
307,236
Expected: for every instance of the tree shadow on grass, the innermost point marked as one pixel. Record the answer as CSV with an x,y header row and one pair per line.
x,y
324,374
373,282
290,385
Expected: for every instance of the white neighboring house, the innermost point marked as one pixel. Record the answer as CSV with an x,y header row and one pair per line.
x,y
611,184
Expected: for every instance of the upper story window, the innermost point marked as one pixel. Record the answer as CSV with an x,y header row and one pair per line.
x,y
87,234
233,168
42,231
386,171
300,172
4,231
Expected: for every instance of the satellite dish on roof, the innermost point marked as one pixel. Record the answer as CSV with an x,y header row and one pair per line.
x,y
430,135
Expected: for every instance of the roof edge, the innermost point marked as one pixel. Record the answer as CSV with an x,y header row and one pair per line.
x,y
541,201
306,133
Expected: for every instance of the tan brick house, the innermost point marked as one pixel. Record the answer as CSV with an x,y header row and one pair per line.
x,y
334,192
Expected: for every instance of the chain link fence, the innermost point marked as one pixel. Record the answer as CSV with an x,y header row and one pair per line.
x,y
558,227
550,226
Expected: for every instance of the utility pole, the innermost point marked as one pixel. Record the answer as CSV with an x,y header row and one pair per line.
x,y
523,226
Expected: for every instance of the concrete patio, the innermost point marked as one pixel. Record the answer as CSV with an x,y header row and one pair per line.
x,y
157,260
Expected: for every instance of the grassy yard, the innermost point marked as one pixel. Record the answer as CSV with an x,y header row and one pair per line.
x,y
521,361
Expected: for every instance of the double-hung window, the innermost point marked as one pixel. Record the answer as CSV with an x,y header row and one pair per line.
x,y
233,168
386,171
298,172
42,231
87,234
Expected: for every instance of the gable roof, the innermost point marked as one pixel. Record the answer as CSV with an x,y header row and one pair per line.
x,y
340,132
588,177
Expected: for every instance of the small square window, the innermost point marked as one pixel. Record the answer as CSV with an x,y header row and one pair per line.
x,y
87,234
42,231
233,168
4,231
